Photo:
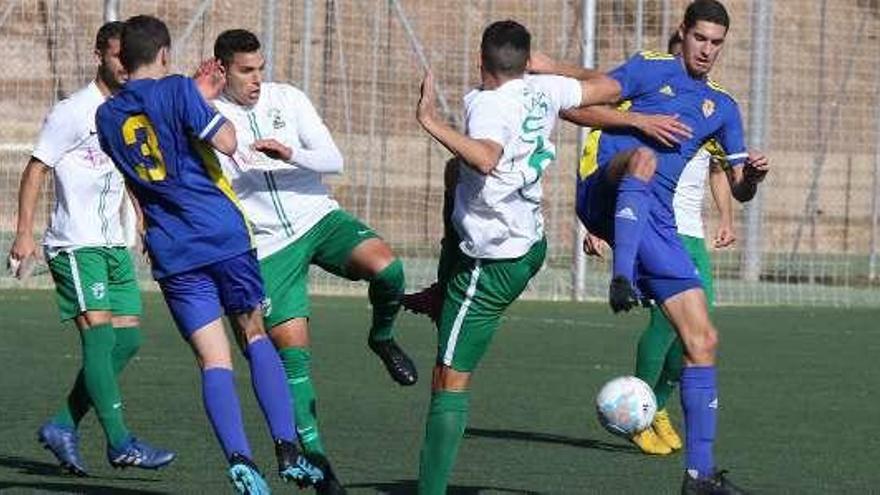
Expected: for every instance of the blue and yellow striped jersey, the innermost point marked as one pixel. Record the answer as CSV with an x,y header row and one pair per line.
x,y
157,132
657,83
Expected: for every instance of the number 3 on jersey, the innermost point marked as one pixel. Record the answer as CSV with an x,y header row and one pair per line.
x,y
154,168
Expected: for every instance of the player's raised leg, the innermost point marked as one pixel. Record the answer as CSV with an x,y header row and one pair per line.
x,y
374,261
631,212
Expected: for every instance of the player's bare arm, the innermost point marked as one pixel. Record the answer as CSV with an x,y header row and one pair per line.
x,y
224,140
481,154
28,193
665,129
725,235
744,180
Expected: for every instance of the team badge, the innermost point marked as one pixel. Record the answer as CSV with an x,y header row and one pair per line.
x,y
708,108
277,121
98,290
266,305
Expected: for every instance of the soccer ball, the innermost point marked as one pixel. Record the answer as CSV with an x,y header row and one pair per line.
x,y
626,406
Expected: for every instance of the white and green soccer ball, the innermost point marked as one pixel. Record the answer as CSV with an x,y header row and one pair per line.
x,y
626,406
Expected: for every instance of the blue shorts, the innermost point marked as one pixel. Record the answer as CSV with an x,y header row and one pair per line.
x,y
663,266
198,297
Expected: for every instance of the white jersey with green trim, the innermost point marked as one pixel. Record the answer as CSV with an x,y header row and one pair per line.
x,y
88,189
689,193
498,216
282,200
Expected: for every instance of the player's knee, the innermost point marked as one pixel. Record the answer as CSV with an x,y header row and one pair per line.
x,y
702,345
643,163
391,278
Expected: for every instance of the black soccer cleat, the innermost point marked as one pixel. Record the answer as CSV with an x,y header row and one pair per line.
x,y
717,484
293,466
330,485
398,364
621,295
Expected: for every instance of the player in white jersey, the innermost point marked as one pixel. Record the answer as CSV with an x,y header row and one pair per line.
x,y
496,216
284,151
95,277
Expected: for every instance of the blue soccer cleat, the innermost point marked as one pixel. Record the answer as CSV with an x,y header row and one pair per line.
x,y
245,477
293,466
63,442
139,454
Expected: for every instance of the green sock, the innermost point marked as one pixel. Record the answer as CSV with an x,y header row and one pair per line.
x,y
654,345
100,381
671,374
447,419
297,367
128,341
386,289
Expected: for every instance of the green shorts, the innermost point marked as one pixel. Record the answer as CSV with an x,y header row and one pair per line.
x,y
476,295
286,273
96,279
696,247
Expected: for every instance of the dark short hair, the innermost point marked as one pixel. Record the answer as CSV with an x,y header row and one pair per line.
x,y
706,10
142,38
674,39
109,31
505,48
234,41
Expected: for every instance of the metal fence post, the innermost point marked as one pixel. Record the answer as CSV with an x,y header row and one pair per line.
x,y
111,10
762,25
875,198
588,59
268,21
640,25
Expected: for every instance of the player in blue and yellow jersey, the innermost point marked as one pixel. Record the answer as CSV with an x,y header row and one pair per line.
x,y
159,131
624,196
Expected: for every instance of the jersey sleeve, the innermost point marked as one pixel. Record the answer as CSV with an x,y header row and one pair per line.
x,y
485,119
564,91
201,119
58,136
316,150
640,73
730,137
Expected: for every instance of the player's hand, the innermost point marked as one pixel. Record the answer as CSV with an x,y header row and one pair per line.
x,y
21,256
724,236
210,78
540,63
665,129
756,167
273,149
426,111
594,246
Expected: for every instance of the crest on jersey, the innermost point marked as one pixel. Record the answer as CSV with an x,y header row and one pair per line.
x,y
277,121
98,290
667,90
708,108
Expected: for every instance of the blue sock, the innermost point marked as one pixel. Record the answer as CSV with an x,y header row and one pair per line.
x,y
270,387
631,215
224,411
699,399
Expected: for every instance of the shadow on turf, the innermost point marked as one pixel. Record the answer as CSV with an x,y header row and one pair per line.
x,y
39,468
410,487
76,488
529,436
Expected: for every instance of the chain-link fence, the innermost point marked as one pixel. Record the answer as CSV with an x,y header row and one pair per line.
x,y
805,73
